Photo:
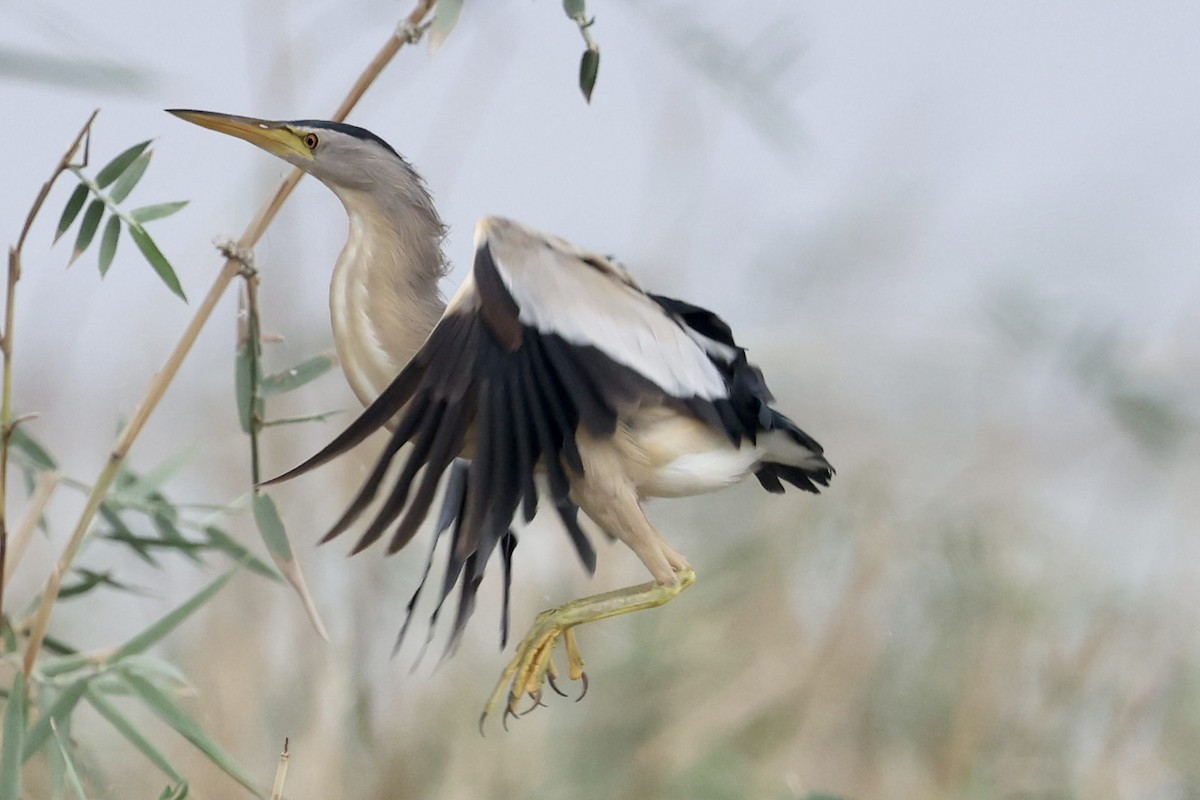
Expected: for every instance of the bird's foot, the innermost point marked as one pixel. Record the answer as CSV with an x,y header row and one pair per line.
x,y
533,667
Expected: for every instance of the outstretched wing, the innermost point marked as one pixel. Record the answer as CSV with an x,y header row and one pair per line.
x,y
542,338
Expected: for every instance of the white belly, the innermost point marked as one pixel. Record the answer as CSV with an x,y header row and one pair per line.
x,y
682,456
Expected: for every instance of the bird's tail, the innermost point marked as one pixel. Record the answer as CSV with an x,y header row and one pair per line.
x,y
791,455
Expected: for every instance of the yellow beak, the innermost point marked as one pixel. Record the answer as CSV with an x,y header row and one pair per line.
x,y
274,137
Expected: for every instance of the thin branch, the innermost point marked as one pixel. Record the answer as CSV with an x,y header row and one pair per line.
x,y
46,484
158,386
6,339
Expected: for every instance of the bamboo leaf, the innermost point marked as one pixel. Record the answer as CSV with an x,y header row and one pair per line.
x,y
305,372
140,488
60,739
270,527
59,710
589,67
108,243
87,229
157,260
158,211
166,709
178,792
157,630
115,168
130,177
244,365
444,18
71,209
32,449
90,579
14,741
220,540
132,735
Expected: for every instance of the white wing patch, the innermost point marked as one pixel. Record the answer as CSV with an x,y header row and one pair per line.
x,y
587,300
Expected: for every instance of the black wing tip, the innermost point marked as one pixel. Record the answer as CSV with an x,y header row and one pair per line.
x,y
808,479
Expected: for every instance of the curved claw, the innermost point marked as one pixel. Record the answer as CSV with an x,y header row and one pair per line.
x,y
554,685
508,712
584,678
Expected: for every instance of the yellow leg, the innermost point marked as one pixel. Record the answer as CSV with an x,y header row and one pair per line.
x,y
531,666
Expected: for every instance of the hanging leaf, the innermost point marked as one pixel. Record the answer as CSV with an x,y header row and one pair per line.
x,y
156,211
14,741
115,168
71,210
130,177
108,243
589,66
575,9
244,365
270,527
171,713
305,372
444,18
157,260
87,229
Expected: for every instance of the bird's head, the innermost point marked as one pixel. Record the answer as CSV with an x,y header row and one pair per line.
x,y
343,157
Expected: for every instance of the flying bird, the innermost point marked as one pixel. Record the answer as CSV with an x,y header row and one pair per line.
x,y
549,369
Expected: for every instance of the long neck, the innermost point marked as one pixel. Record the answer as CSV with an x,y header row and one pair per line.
x,y
384,297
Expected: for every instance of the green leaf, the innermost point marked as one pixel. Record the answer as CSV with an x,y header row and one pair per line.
x,y
71,209
179,792
305,372
61,739
14,741
32,449
270,527
166,709
108,243
130,177
115,168
244,365
142,488
157,211
90,579
156,631
589,66
87,229
157,260
444,18
575,9
132,735
220,540
59,711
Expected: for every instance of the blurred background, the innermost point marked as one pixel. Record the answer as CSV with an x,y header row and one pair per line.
x,y
960,240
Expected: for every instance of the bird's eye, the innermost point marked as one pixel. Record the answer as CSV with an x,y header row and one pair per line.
x,y
311,141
